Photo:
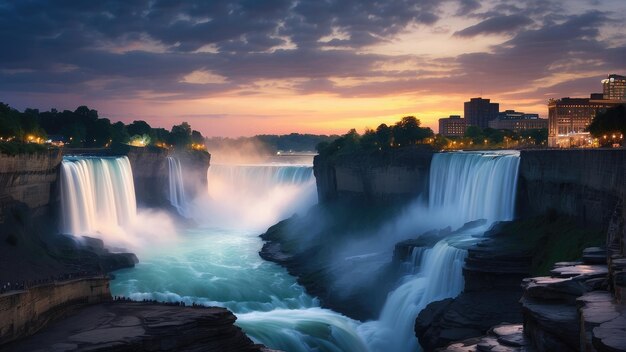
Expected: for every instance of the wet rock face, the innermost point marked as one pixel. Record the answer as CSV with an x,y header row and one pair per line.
x,y
581,183
469,315
491,295
396,174
135,326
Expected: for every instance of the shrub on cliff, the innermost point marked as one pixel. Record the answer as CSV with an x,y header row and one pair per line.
x,y
14,148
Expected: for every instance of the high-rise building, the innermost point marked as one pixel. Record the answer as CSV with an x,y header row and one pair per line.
x,y
517,121
453,126
614,87
479,111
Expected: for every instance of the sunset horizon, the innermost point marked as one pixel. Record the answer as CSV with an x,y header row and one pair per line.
x,y
242,69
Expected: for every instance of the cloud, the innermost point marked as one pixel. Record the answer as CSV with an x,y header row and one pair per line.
x,y
495,25
158,50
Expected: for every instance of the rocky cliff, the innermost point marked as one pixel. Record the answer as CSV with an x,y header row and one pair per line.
x,y
28,180
195,165
584,183
380,176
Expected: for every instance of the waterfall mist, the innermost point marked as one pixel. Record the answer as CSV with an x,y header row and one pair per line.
x,y
254,196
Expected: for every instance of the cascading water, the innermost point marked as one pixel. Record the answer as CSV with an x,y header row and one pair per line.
x,y
473,185
271,307
468,186
97,195
176,194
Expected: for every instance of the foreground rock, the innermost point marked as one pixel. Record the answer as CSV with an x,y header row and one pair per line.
x,y
137,326
493,270
502,338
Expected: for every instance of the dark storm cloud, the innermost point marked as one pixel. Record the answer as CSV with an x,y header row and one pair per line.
x,y
495,25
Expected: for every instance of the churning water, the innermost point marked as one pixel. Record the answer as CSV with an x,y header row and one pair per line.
x,y
218,263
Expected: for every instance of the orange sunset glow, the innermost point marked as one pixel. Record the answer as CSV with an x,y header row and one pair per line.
x,y
240,69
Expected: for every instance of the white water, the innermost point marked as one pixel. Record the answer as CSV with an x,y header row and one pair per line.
x,y
466,186
256,196
474,185
220,266
176,194
97,195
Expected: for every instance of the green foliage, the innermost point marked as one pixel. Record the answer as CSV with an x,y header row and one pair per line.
x,y
81,128
405,132
607,123
384,136
196,137
14,148
549,239
180,136
139,128
119,133
291,142
538,136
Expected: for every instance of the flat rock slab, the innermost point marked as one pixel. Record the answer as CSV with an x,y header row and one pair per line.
x,y
501,338
138,326
590,271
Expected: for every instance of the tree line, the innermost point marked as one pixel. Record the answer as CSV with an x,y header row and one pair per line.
x,y
406,132
84,128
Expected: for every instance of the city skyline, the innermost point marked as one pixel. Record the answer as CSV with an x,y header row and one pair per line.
x,y
244,68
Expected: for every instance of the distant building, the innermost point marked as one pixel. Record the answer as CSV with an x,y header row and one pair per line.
x,y
569,117
479,111
614,88
517,121
453,126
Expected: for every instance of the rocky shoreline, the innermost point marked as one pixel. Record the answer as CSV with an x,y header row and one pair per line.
x,y
140,326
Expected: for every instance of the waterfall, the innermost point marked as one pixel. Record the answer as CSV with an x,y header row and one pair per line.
x,y
176,194
473,185
440,276
261,176
465,186
97,194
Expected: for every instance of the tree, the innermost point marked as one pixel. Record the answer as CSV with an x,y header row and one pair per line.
x,y
181,135
407,131
476,134
384,136
119,133
196,137
10,122
139,127
161,135
99,133
608,123
368,140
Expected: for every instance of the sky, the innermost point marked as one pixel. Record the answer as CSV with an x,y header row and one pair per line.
x,y
246,67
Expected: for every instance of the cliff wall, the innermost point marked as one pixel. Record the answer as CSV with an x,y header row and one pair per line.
x,y
22,313
28,180
195,165
150,175
586,183
383,176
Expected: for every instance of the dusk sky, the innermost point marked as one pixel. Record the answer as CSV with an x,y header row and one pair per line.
x,y
246,67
